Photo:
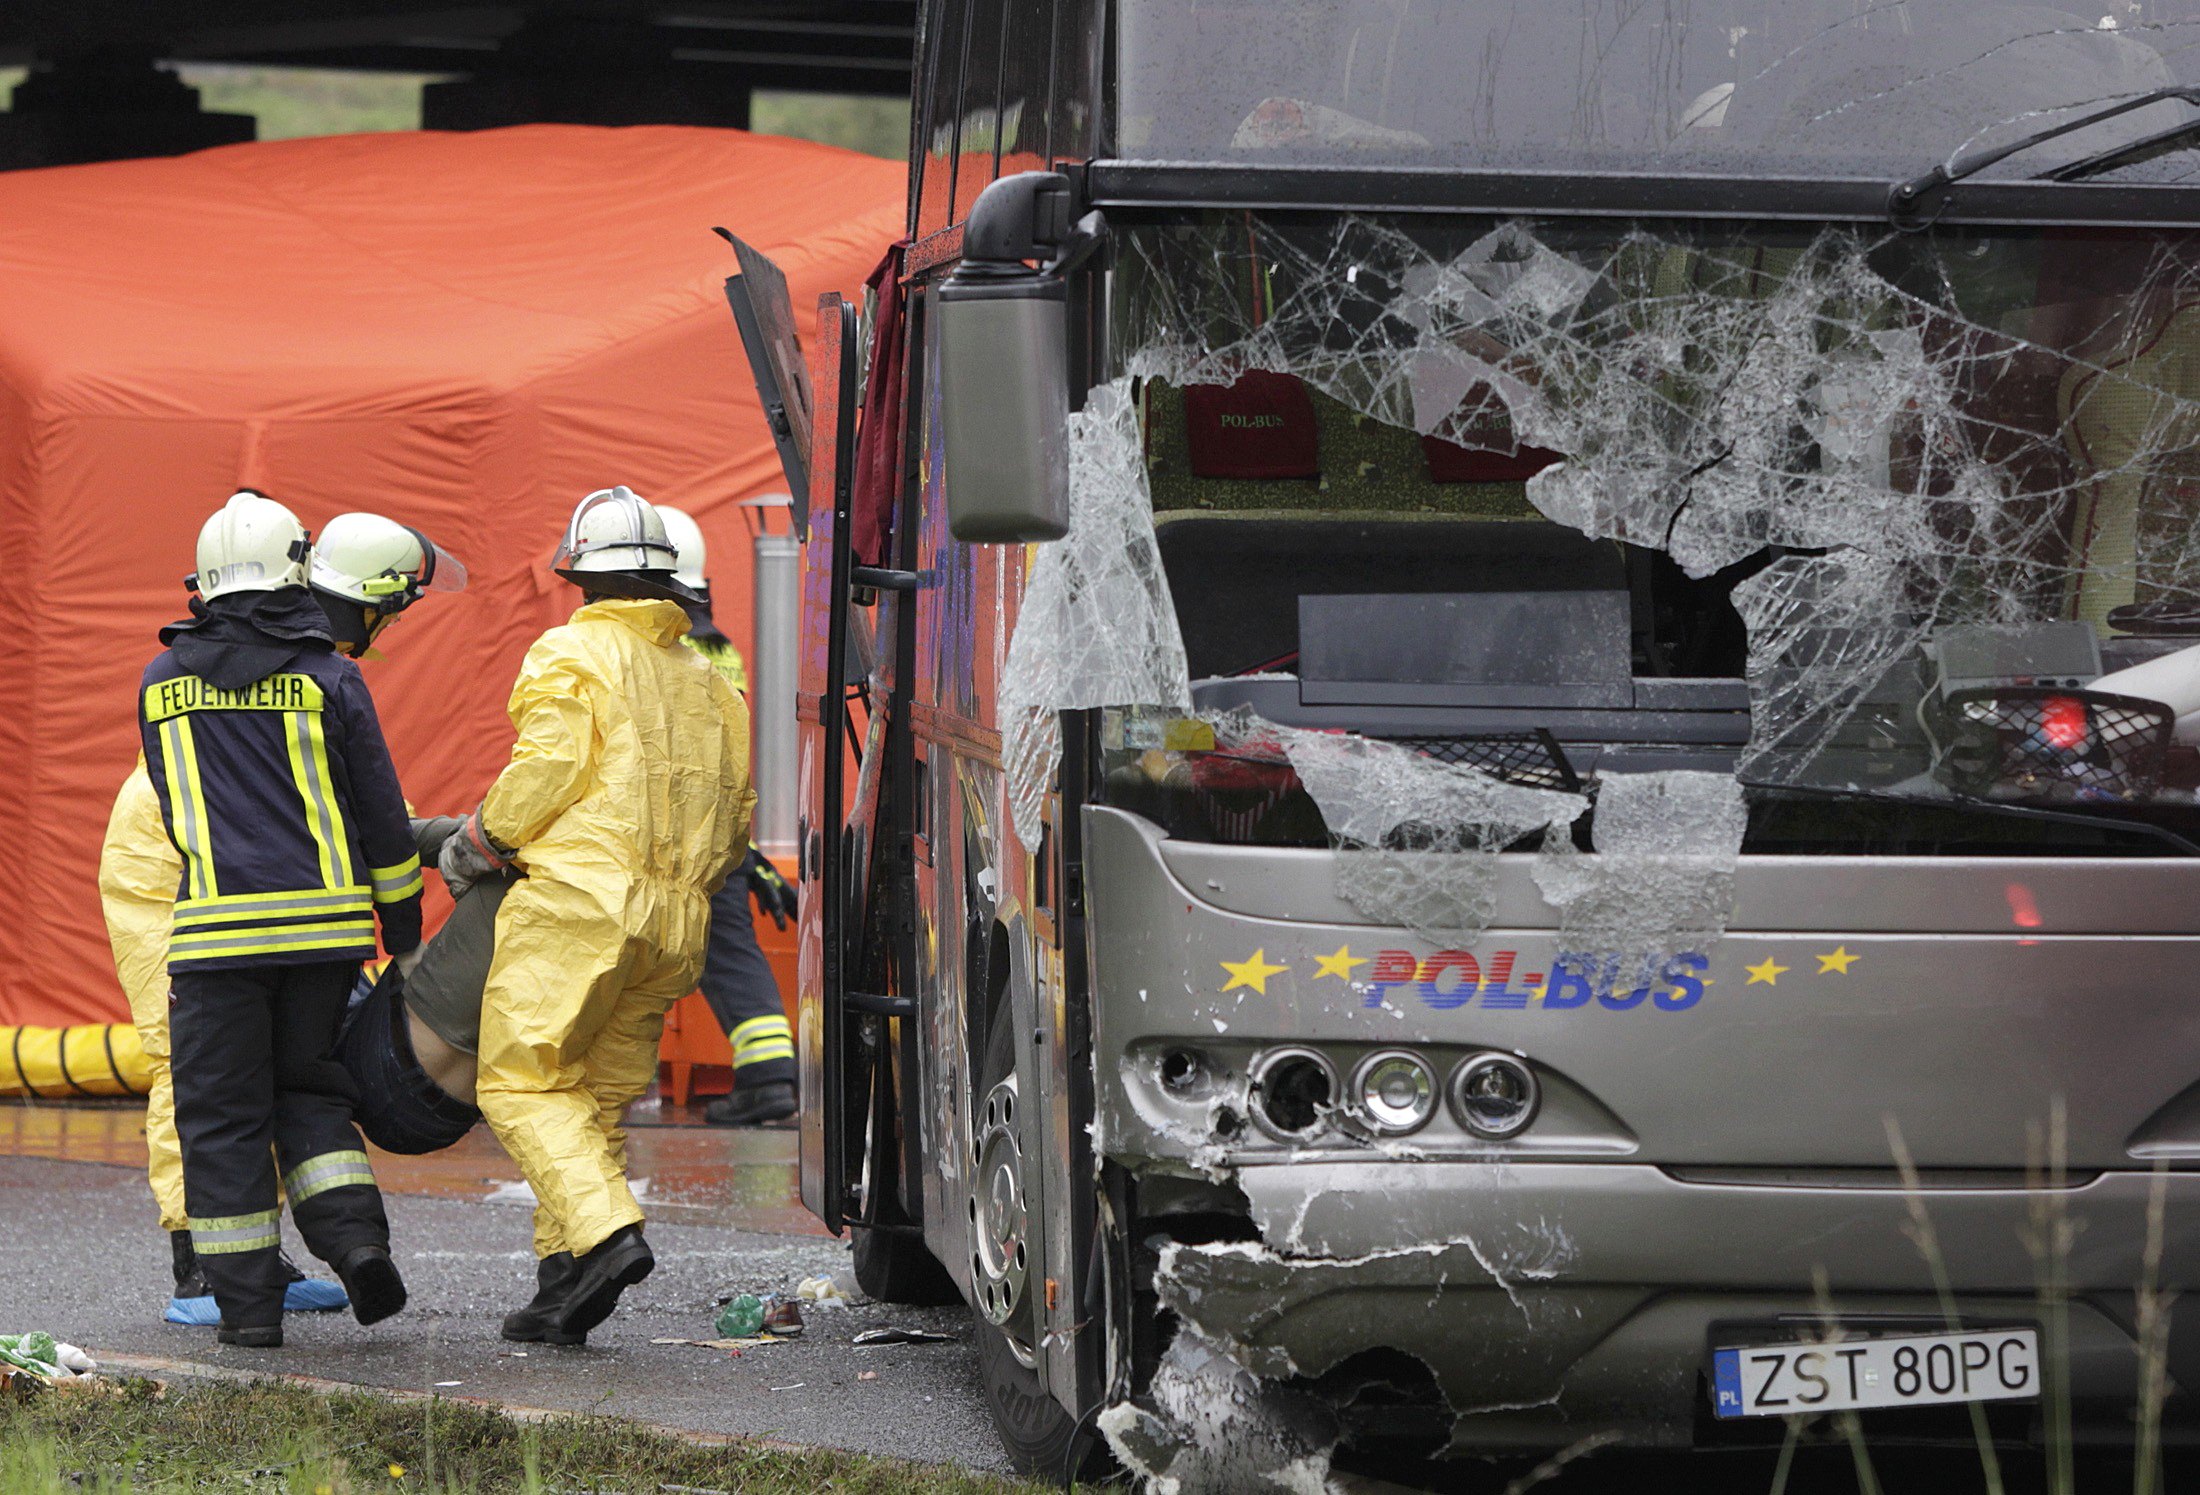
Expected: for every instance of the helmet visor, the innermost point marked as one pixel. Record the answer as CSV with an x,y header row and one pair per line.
x,y
441,571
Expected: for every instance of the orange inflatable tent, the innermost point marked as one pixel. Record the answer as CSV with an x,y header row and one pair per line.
x,y
467,332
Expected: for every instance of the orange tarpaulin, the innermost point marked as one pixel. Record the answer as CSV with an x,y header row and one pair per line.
x,y
467,332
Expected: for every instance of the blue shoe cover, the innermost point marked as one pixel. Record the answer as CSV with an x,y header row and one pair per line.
x,y
307,1296
199,1313
311,1295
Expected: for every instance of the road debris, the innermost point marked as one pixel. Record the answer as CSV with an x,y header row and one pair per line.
x,y
892,1335
44,1357
741,1317
820,1292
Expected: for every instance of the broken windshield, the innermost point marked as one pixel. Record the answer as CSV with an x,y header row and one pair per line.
x,y
1750,87
1461,506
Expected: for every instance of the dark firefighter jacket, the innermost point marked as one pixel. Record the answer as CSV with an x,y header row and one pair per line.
x,y
276,787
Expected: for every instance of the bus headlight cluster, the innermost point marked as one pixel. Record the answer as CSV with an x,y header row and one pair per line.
x,y
1395,1091
1494,1095
1391,1092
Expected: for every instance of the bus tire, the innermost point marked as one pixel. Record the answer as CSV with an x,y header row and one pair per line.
x,y
1041,1438
896,1268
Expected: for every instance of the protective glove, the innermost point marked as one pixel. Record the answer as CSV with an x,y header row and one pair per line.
x,y
430,832
773,893
471,855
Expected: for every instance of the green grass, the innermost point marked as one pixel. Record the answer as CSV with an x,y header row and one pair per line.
x,y
291,102
137,1437
877,127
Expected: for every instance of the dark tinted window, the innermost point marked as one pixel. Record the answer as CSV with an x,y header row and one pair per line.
x,y
940,84
981,101
1079,43
1026,86
1760,86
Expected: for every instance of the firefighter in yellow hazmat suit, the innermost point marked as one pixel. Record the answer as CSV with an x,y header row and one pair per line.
x,y
138,871
626,803
364,570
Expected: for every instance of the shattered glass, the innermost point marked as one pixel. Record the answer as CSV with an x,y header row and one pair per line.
x,y
1866,442
1211,1427
1417,839
1662,881
1868,437
1097,626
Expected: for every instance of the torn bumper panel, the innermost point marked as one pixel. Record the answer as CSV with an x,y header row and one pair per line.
x,y
1553,1301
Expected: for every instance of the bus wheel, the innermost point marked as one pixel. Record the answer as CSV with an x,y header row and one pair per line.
x,y
1042,1439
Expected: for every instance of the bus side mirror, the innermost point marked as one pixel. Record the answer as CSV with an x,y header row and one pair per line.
x,y
1004,363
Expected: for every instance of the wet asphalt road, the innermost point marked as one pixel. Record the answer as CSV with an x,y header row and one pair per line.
x,y
82,1256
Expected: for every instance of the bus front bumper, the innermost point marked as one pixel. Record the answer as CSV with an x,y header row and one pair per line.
x,y
1550,1302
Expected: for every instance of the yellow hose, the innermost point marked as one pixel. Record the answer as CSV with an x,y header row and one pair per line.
x,y
59,1063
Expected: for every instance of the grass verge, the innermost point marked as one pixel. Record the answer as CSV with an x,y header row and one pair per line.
x,y
138,1436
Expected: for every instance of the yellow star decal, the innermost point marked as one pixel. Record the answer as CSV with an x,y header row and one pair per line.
x,y
1837,963
1767,971
1253,973
1338,965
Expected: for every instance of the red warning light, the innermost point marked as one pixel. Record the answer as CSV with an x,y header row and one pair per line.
x,y
2063,723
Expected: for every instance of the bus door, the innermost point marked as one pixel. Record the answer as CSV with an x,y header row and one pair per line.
x,y
810,403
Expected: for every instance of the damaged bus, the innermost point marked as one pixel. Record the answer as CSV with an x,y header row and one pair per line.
x,y
1501,714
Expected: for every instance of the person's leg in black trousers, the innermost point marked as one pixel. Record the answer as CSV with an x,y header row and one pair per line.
x,y
326,1176
252,1065
738,984
222,1057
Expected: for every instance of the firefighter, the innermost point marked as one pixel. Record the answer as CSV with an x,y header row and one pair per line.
x,y
365,570
264,751
626,804
737,981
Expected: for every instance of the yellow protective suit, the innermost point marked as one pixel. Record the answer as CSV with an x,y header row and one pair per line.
x,y
628,801
139,869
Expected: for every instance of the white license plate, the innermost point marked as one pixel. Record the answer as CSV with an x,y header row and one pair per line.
x,y
1913,1370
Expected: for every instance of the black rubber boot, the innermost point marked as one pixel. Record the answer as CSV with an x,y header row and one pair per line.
x,y
252,1336
372,1281
555,1275
619,1261
754,1105
190,1281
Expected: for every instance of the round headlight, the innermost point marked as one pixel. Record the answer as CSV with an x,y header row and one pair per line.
x,y
1494,1095
1394,1092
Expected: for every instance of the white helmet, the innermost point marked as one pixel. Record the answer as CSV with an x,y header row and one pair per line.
x,y
252,544
687,538
614,529
381,564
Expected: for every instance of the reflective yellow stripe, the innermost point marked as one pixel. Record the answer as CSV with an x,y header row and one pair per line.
x,y
760,1039
772,1024
224,1235
392,884
215,943
331,1170
236,906
199,938
168,699
308,747
187,805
